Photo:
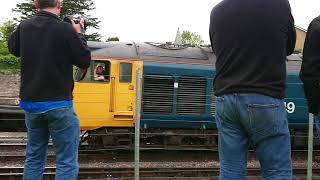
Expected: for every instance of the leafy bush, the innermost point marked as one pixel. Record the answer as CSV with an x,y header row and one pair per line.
x,y
3,49
9,61
297,51
191,39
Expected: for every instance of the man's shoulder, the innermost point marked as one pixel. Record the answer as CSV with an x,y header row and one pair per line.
x,y
58,22
231,6
315,25
316,20
220,5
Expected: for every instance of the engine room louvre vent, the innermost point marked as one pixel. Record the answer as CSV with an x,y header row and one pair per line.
x,y
191,96
158,94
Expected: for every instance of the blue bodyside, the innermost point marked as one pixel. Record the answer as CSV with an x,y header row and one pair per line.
x,y
295,94
298,116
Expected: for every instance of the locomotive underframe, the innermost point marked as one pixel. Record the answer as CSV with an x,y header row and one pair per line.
x,y
171,139
113,138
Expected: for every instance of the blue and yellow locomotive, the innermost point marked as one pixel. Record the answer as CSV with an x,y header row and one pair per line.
x,y
178,102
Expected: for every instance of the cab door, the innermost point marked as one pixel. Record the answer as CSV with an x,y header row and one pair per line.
x,y
92,96
125,90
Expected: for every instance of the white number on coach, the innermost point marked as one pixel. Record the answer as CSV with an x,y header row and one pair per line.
x,y
290,106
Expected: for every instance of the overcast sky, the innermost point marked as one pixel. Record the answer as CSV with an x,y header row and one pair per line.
x,y
158,20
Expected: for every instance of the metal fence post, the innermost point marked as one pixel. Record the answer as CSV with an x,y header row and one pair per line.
x,y
137,126
310,146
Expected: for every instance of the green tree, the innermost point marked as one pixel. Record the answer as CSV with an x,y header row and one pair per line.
x,y
3,49
191,39
113,39
6,29
8,62
71,8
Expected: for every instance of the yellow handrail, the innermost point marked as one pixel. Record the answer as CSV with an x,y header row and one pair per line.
x,y
112,87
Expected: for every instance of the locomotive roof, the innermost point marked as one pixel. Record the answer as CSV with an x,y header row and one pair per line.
x,y
148,51
166,53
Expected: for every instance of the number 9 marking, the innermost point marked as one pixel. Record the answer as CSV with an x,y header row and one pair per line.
x,y
291,107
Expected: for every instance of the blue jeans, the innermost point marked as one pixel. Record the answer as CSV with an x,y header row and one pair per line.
x,y
317,122
63,127
259,121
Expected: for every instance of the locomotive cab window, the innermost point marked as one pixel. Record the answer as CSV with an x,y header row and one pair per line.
x,y
98,72
125,72
79,74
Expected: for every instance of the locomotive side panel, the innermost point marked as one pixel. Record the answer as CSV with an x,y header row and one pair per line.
x,y
295,102
177,96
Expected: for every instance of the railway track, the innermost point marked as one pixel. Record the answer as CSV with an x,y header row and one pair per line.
x,y
9,155
17,142
124,173
117,158
13,173
118,163
19,139
15,148
16,152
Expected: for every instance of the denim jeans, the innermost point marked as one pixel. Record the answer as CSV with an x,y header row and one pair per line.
x,y
255,120
317,123
63,127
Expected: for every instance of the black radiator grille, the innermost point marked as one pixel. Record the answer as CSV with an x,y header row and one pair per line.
x,y
158,94
191,98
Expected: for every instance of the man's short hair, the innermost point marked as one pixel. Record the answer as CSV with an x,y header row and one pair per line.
x,y
46,3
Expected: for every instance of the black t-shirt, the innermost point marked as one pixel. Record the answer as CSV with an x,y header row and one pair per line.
x,y
251,39
310,69
48,48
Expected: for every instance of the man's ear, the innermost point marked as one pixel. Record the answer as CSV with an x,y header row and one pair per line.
x,y
59,4
36,4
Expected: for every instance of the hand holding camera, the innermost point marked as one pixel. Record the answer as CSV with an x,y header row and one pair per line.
x,y
79,26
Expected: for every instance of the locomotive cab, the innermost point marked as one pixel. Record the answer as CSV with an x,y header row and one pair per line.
x,y
104,94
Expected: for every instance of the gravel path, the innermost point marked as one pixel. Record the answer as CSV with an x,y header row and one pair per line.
x,y
9,85
9,89
155,164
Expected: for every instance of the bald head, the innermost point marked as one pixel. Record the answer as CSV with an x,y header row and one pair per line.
x,y
53,6
43,4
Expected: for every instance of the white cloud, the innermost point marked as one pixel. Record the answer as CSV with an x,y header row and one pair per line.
x,y
304,11
145,20
158,20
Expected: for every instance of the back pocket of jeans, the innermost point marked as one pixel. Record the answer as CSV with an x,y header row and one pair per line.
x,y
60,119
219,106
264,120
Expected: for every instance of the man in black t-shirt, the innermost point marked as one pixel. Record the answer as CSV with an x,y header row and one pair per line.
x,y
310,70
251,39
49,48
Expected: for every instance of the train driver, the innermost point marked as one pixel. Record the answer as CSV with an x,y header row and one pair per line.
x,y
100,74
